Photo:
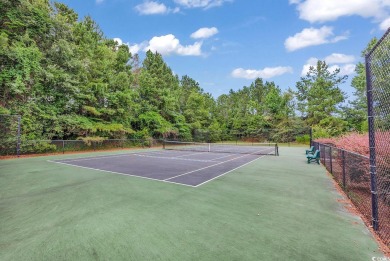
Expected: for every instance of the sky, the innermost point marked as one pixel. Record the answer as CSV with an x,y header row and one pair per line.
x,y
227,44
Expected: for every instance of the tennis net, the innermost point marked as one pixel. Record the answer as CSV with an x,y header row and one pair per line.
x,y
243,148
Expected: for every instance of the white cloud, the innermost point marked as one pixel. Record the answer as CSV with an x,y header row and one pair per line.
x,y
294,2
312,36
99,1
169,44
331,10
201,3
119,41
347,67
152,8
263,73
133,48
165,45
339,58
204,33
385,24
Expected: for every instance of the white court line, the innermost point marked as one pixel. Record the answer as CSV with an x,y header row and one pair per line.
x,y
232,154
172,158
213,153
200,184
113,156
96,157
166,180
123,174
209,166
163,153
197,153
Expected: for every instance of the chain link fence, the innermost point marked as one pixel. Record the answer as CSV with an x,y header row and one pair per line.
x,y
285,135
29,147
378,96
11,145
352,172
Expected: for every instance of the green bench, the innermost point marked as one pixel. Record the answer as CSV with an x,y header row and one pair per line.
x,y
314,157
311,150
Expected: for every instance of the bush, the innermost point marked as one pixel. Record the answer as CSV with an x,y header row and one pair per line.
x,y
304,139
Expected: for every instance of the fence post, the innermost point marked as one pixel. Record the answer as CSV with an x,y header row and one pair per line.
x,y
325,155
18,139
63,147
331,159
343,165
371,134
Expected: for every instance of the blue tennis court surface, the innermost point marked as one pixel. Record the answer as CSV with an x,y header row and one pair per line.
x,y
190,168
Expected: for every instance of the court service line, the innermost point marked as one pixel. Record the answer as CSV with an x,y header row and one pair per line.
x,y
229,155
209,166
123,174
112,156
200,184
197,153
172,158
165,153
95,157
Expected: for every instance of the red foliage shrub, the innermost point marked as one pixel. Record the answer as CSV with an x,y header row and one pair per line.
x,y
354,142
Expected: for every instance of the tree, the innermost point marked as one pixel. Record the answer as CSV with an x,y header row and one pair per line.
x,y
319,97
356,112
159,88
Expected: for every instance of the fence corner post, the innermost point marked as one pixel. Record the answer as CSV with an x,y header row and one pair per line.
x,y
371,134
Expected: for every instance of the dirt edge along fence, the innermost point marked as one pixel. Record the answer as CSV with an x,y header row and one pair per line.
x,y
378,101
352,172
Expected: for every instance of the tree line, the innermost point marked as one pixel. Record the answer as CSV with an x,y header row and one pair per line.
x,y
68,80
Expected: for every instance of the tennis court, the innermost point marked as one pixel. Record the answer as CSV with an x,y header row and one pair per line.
x,y
185,163
265,208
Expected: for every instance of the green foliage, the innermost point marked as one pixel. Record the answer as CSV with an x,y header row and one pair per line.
x,y
37,147
4,110
91,140
69,81
356,111
319,94
303,139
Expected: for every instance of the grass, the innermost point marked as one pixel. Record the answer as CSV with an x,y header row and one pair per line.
x,y
276,208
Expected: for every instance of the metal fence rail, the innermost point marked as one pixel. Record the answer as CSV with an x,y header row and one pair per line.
x,y
352,172
378,100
